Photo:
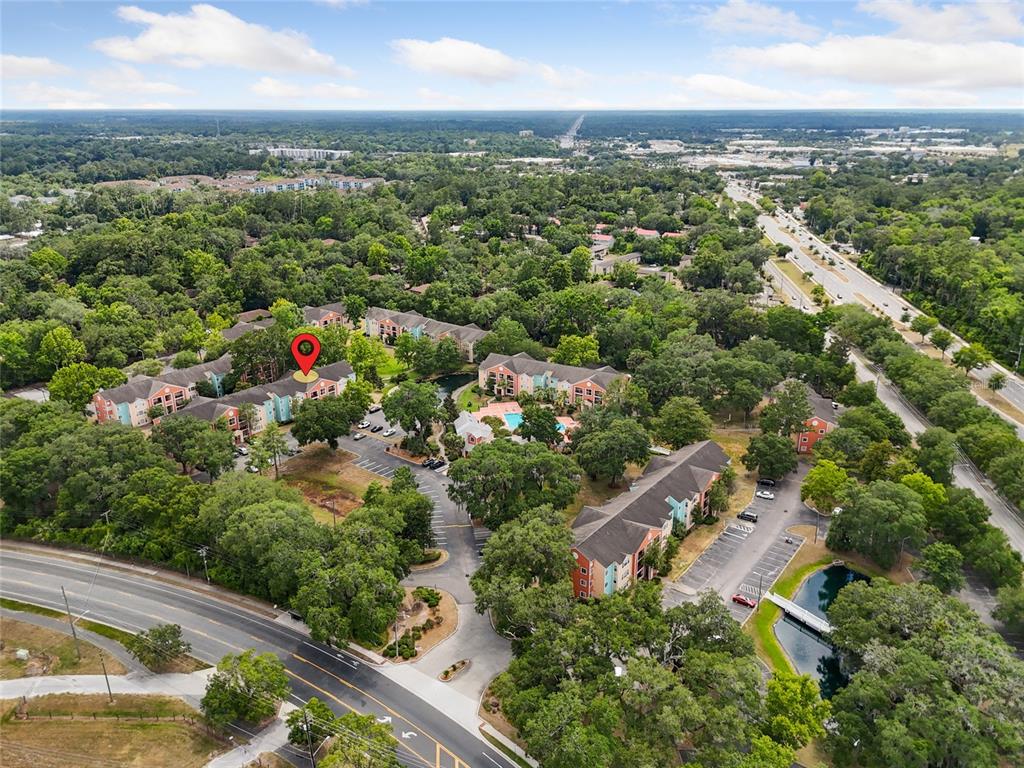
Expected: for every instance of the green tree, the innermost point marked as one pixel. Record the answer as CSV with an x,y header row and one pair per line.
x,y
366,356
880,520
826,485
499,480
159,647
923,324
997,381
942,340
508,337
794,710
682,421
943,566
362,742
936,454
540,424
326,419
59,348
415,408
771,456
576,350
527,554
312,722
75,384
447,357
178,436
453,445
605,452
971,356
1010,607
786,414
246,687
272,443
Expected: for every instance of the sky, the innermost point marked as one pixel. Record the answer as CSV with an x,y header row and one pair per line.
x,y
375,54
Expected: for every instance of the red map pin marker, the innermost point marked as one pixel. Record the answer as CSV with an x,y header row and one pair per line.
x,y
305,350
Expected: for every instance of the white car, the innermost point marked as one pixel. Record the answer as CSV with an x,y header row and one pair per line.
x,y
364,424
358,435
765,495
251,468
388,432
242,450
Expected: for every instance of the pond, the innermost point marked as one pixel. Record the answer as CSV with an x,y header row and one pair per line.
x,y
809,654
446,385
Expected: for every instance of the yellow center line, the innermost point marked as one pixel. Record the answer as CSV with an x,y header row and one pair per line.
x,y
386,708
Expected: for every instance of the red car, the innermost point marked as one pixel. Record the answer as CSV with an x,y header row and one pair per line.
x,y
744,600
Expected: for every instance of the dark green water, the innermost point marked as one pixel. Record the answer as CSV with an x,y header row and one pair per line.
x,y
448,384
809,654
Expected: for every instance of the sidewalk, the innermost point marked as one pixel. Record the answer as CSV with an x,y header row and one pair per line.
x,y
270,739
190,687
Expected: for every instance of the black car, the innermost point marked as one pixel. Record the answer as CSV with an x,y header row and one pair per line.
x,y
766,482
438,463
376,427
428,463
750,517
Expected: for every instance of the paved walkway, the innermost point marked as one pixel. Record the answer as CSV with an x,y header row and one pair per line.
x,y
110,647
190,687
270,739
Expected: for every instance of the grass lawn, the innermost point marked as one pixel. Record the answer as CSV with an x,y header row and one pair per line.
x,y
52,653
106,740
329,481
391,367
796,275
594,493
470,399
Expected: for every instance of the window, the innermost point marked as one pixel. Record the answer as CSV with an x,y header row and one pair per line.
x,y
583,594
583,571
821,431
803,438
583,582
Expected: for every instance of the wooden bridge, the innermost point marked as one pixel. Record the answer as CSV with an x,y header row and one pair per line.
x,y
805,617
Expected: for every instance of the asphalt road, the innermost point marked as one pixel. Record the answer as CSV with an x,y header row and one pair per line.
x,y
215,627
846,283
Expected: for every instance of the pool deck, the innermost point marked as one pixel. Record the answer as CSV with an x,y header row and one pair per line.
x,y
511,408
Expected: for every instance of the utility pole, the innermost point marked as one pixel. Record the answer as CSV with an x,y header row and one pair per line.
x,y
309,737
71,621
106,679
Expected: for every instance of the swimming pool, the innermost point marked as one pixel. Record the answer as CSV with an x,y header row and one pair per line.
x,y
515,419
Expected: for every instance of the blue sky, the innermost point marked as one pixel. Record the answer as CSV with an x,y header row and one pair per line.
x,y
350,54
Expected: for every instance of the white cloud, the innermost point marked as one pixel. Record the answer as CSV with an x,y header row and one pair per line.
x,y
209,36
960,22
458,58
431,96
273,88
896,62
564,78
748,17
721,89
29,66
38,94
126,79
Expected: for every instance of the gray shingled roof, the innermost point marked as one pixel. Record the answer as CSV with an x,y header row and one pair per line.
x,y
136,388
194,373
610,532
523,363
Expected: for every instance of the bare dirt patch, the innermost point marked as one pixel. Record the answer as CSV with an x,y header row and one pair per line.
x,y
329,481
50,653
490,712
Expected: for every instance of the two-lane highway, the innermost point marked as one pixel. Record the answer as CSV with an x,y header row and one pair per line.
x,y
215,627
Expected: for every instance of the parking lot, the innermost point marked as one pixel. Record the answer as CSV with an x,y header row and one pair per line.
x,y
765,572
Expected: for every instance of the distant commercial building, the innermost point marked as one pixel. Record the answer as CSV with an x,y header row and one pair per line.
x,y
609,542
525,134
303,153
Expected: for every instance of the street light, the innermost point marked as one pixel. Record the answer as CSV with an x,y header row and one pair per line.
x,y
760,582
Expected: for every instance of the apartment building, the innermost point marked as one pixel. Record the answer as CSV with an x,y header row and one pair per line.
x,y
508,375
387,325
609,542
275,402
131,402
